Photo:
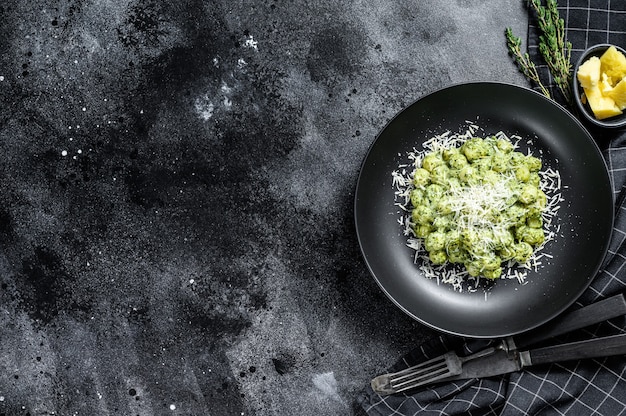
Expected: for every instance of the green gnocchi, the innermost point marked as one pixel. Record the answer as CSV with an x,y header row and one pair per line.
x,y
479,205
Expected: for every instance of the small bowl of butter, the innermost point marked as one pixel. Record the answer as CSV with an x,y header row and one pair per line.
x,y
600,85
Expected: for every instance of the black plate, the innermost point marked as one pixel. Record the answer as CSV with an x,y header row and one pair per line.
x,y
585,217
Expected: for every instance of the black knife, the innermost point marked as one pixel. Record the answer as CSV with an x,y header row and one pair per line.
x,y
503,362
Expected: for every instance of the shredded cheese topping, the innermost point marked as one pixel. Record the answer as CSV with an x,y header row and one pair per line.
x,y
471,207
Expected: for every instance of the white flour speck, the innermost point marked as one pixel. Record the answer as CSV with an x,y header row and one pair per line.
x,y
226,91
251,43
225,88
204,107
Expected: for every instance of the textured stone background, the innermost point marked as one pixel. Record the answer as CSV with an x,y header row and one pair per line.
x,y
176,191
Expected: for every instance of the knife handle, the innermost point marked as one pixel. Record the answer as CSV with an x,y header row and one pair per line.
x,y
592,348
588,315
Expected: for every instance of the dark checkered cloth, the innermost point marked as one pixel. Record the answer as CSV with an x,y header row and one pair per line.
x,y
586,387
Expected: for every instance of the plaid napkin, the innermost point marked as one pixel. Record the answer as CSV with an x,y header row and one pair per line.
x,y
586,387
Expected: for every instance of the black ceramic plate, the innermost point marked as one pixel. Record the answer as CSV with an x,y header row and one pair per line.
x,y
585,216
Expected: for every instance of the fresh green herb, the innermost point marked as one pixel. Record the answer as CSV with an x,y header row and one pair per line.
x,y
553,47
525,64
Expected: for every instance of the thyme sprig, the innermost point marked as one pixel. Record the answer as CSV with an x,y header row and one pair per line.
x,y
553,47
525,64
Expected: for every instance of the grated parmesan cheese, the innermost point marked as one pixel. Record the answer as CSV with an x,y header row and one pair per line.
x,y
473,202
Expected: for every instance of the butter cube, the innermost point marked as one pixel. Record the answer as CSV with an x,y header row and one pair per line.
x,y
606,85
618,94
613,63
589,72
602,107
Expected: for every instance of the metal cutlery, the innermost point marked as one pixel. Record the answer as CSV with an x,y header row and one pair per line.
x,y
503,362
506,356
431,371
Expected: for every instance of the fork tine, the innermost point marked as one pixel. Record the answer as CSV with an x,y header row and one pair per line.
x,y
449,364
417,375
419,371
422,366
439,368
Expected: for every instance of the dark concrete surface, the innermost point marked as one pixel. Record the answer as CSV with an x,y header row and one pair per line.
x,y
176,192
